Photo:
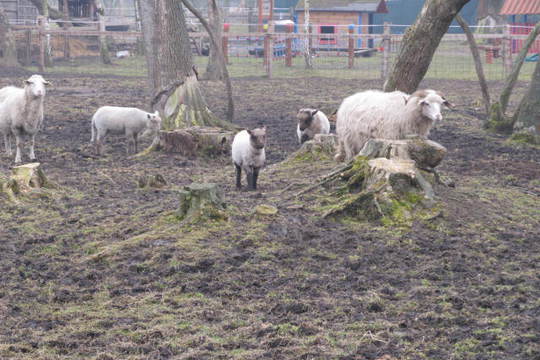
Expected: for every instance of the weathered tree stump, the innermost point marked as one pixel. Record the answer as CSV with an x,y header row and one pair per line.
x,y
151,181
199,202
323,146
24,179
197,140
427,154
388,181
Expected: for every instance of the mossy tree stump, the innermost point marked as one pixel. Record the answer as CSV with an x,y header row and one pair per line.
x,y
201,201
322,147
387,181
24,179
197,140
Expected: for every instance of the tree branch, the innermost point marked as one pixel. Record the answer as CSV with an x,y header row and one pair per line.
x,y
217,46
477,62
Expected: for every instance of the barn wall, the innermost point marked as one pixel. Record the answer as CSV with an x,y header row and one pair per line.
x,y
19,11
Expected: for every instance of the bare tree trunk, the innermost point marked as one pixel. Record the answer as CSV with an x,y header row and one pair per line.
x,y
528,114
8,49
176,89
498,120
48,49
420,42
477,62
217,47
213,68
52,12
307,50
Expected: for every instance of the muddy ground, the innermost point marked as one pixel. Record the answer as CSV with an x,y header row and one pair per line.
x,y
100,269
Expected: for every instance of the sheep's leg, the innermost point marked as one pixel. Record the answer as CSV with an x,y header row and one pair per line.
x,y
7,144
255,177
32,142
249,178
238,176
18,145
99,142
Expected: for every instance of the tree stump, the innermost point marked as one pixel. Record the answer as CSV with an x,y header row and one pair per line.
x,y
197,140
322,147
199,202
387,181
151,181
24,179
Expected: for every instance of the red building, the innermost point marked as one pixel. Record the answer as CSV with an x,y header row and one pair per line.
x,y
523,9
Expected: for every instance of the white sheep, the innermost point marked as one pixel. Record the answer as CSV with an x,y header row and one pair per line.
x,y
127,120
248,154
394,115
21,113
310,123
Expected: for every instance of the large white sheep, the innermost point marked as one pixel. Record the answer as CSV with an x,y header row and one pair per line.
x,y
310,123
127,120
21,113
393,115
248,154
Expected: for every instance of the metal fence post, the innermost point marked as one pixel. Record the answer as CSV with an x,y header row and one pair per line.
x,y
268,54
386,51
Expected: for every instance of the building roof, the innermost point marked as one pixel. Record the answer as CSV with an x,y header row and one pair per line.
x,y
521,7
372,6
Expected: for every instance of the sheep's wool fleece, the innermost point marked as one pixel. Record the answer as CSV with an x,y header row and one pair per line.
x,y
243,154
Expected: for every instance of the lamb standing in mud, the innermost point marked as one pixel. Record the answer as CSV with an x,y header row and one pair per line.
x,y
21,113
248,154
310,123
130,121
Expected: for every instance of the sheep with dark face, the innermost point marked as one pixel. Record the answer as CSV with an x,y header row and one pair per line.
x,y
248,154
21,113
310,123
393,115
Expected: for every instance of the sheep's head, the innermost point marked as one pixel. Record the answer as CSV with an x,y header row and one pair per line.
x,y
431,103
305,117
35,85
153,123
257,137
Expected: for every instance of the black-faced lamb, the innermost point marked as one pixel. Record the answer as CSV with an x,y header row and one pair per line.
x,y
130,121
310,123
393,115
21,113
248,154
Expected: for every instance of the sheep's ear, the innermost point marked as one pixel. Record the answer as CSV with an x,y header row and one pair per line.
x,y
448,104
156,113
27,82
149,116
249,132
314,112
47,83
423,102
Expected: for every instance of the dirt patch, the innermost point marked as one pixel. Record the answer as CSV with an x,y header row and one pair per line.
x,y
103,270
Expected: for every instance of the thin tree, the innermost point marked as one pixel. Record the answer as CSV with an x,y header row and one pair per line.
x,y
172,77
215,21
527,116
219,56
307,50
420,42
8,49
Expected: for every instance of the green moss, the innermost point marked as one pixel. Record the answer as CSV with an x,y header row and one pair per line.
x,y
525,138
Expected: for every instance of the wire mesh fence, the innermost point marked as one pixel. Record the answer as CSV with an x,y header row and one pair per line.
x,y
362,52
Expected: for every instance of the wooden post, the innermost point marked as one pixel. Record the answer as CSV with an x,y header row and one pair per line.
x,y
103,47
42,44
225,42
28,49
507,50
288,45
266,41
386,51
65,10
310,38
351,46
268,54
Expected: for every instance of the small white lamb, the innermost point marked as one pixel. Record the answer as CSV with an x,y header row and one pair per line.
x,y
21,113
248,154
127,120
310,123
